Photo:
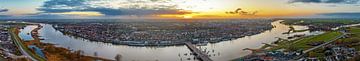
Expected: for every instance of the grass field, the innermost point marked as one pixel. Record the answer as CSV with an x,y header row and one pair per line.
x,y
351,42
320,21
19,43
355,37
302,42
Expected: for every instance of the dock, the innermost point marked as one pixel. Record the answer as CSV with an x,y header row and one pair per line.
x,y
198,53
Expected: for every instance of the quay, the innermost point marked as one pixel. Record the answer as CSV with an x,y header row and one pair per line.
x,y
198,53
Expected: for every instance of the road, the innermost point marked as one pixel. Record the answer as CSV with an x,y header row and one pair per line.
x,y
319,46
22,48
316,47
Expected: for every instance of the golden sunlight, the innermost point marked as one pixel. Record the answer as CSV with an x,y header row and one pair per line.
x,y
198,5
188,16
82,13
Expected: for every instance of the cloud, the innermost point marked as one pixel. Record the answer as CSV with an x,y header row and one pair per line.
x,y
113,7
4,16
242,12
326,1
40,16
4,10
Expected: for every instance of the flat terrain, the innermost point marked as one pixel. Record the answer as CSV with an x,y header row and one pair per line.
x,y
355,39
22,47
320,21
164,33
302,42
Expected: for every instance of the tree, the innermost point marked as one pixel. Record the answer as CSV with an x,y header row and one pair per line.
x,y
312,54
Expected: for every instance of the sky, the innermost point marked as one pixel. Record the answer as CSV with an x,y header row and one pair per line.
x,y
176,9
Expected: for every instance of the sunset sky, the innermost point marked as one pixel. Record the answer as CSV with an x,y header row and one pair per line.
x,y
118,9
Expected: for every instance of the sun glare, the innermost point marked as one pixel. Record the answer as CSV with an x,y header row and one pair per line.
x,y
187,16
197,5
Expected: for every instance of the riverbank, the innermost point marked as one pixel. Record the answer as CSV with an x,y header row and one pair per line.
x,y
157,43
164,33
222,51
53,53
284,50
309,47
321,24
8,49
23,49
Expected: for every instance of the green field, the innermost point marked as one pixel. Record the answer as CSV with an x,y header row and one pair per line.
x,y
19,43
351,42
320,21
355,37
302,42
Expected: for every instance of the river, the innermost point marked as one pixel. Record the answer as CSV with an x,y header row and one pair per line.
x,y
222,51
25,33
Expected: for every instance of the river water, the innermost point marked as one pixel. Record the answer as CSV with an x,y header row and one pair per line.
x,y
222,51
25,33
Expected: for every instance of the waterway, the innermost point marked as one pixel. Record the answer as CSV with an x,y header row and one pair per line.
x,y
25,33
222,51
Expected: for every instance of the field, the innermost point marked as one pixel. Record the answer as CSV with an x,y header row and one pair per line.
x,y
26,50
354,40
321,21
302,43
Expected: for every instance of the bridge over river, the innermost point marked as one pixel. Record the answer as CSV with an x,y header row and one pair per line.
x,y
198,53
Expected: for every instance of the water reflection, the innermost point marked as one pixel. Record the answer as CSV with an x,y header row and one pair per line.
x,y
191,56
25,33
222,51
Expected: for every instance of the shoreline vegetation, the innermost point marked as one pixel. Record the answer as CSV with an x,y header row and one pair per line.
x,y
151,34
286,47
23,48
53,53
282,49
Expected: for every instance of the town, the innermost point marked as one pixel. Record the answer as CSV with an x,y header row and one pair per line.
x,y
179,30
8,49
165,33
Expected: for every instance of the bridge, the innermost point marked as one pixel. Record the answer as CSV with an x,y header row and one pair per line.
x,y
198,53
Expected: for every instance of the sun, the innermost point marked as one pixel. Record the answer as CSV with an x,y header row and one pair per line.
x,y
188,16
197,5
